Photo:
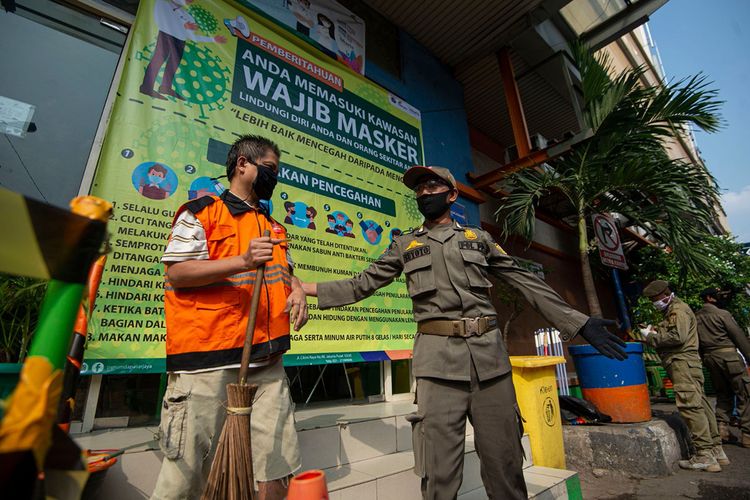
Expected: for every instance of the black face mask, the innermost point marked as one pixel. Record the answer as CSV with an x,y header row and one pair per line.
x,y
265,182
433,206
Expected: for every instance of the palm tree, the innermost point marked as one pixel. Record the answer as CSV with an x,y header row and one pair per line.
x,y
624,167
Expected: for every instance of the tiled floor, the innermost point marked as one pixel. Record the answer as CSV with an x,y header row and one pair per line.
x,y
364,449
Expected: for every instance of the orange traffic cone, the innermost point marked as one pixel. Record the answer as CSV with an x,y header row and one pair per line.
x,y
310,485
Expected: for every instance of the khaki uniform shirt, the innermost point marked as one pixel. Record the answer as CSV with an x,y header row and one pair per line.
x,y
676,336
446,270
718,330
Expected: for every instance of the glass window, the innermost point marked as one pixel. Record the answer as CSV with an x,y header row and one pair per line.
x,y
62,63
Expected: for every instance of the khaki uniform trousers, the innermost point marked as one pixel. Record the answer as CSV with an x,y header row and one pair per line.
x,y
439,434
193,416
695,409
730,378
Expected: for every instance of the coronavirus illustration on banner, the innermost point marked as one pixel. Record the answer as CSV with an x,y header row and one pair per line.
x,y
196,78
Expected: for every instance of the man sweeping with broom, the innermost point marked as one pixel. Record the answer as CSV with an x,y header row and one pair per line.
x,y
215,247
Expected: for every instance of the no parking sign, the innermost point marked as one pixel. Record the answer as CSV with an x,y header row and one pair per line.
x,y
608,241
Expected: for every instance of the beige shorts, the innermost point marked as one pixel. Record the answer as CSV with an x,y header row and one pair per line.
x,y
193,415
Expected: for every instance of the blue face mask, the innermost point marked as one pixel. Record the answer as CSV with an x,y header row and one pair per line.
x,y
331,224
155,179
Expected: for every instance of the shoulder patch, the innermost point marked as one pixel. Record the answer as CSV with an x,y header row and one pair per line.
x,y
470,235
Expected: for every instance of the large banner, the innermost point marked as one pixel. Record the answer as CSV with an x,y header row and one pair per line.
x,y
197,77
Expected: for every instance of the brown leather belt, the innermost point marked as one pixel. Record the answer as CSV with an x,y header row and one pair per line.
x,y
465,327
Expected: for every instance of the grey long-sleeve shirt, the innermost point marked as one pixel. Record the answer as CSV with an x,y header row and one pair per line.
x,y
446,270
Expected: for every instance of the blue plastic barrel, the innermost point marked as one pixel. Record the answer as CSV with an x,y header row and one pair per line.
x,y
617,388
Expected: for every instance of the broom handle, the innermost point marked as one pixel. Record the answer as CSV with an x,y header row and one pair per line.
x,y
260,271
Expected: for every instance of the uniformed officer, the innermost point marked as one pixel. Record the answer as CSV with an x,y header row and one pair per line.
x,y
720,338
676,342
460,361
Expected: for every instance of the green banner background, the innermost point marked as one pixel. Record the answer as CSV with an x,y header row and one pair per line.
x,y
345,143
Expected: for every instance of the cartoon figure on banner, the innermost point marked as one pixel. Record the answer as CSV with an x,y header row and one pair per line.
x,y
204,186
290,212
303,12
299,214
325,34
340,224
371,231
155,181
395,232
311,213
176,25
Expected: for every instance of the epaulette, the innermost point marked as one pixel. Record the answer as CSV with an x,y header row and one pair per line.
x,y
195,206
199,204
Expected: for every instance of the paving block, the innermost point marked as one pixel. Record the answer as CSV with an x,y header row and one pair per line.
x,y
477,494
561,474
341,477
403,434
402,486
527,458
472,477
320,448
386,465
538,485
365,491
133,477
368,439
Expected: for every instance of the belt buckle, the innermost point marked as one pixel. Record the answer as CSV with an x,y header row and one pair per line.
x,y
471,327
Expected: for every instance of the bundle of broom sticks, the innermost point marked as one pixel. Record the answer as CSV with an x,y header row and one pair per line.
x,y
231,476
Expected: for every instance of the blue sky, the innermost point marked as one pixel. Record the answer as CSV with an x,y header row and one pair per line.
x,y
713,37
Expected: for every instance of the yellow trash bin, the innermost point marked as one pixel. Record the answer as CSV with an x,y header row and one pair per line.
x,y
536,391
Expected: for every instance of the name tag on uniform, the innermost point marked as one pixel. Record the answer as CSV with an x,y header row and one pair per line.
x,y
416,252
479,246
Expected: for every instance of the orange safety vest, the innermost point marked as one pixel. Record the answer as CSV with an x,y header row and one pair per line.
x,y
206,324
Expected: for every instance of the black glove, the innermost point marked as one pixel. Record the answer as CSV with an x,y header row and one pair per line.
x,y
602,339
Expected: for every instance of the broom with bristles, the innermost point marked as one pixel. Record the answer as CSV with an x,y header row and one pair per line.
x,y
231,476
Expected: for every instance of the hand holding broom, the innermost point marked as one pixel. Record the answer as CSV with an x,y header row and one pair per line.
x,y
231,475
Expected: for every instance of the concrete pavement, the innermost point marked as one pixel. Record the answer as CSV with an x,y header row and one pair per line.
x,y
733,483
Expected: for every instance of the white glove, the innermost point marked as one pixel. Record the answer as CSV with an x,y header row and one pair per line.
x,y
646,331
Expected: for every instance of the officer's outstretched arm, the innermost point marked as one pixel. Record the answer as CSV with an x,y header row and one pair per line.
x,y
550,305
380,273
538,293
